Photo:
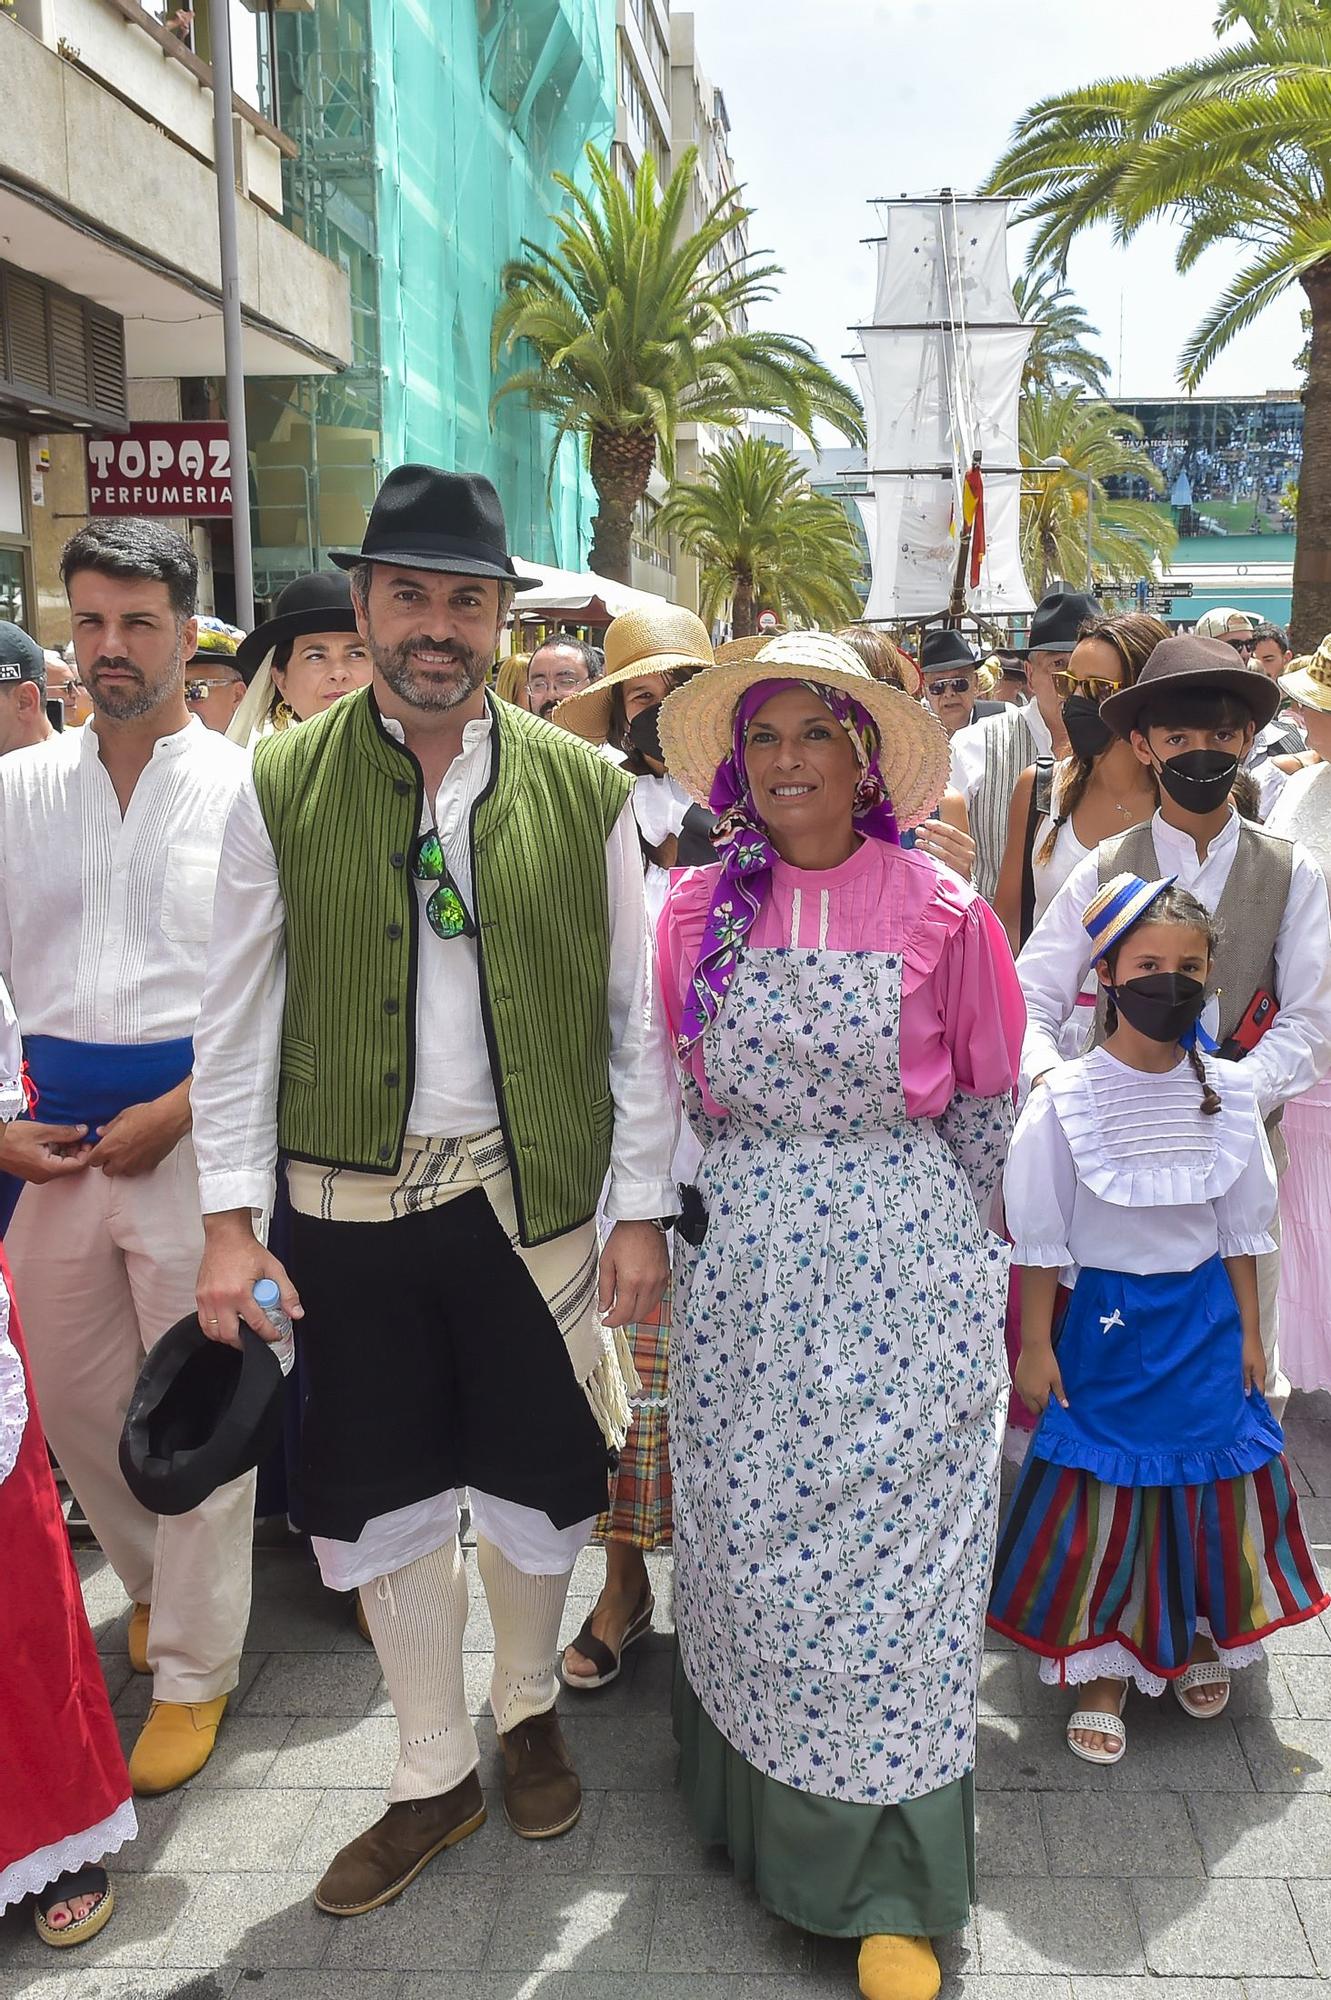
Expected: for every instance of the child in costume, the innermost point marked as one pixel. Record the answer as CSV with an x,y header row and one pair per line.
x,y
1154,1535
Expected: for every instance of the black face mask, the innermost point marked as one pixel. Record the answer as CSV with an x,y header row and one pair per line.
x,y
1160,1005
1199,780
1087,734
645,733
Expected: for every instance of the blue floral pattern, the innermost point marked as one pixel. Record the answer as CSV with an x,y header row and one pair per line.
x,y
837,1377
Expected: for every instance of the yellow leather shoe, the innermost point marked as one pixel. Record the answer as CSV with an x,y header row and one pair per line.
x,y
138,1638
898,1968
175,1742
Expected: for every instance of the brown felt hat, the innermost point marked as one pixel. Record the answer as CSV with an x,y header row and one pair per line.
x,y
1185,664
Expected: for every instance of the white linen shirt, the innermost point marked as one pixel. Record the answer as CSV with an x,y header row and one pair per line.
x,y
237,1046
104,920
1119,1170
1293,1053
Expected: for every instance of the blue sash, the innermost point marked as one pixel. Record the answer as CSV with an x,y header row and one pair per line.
x,y
90,1083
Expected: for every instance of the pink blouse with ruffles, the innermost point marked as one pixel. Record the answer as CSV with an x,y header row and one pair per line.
x,y
962,1013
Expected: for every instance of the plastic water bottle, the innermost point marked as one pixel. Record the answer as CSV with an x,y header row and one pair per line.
x,y
268,1298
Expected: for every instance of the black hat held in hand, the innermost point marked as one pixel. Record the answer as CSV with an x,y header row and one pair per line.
x,y
201,1414
425,518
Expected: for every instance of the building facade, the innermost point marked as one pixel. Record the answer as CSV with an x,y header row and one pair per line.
x,y
109,289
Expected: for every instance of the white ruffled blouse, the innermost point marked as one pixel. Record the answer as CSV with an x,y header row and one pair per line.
x,y
13,1395
1119,1171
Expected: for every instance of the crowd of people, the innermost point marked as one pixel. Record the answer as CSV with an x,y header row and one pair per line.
x,y
666,1095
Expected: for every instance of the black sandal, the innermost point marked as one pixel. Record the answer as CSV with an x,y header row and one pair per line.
x,y
91,1881
606,1662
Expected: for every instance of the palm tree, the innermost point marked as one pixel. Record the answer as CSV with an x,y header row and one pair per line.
x,y
763,539
1095,443
635,327
1235,147
1059,352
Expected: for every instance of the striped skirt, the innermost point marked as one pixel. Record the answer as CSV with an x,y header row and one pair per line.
x,y
1133,1572
640,1510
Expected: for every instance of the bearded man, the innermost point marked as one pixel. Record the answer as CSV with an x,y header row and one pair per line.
x,y
109,843
430,987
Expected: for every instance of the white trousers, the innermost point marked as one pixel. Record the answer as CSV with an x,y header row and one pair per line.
x,y
102,1268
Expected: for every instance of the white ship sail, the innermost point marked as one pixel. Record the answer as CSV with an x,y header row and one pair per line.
x,y
940,373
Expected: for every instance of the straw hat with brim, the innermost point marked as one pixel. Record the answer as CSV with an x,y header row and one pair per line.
x,y
1116,908
731,650
1308,679
1187,665
697,721
671,640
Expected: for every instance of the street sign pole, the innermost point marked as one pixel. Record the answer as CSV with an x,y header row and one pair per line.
x,y
224,154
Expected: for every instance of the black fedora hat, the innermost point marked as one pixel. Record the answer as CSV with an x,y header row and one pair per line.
x,y
200,1415
320,602
1057,620
425,518
945,648
1190,665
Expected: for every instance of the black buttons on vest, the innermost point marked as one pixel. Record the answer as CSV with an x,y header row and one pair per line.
x,y
385,1152
391,1079
391,1006
393,931
402,786
398,860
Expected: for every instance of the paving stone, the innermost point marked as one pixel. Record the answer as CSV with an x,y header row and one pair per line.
x,y
313,1684
605,1752
1312,1900
1030,1753
1003,1689
598,1923
1150,1989
1284,1754
1311,1636
300,1625
1270,1835
1308,1678
247,1746
650,1833
319,1986
110,1984
321,1753
440,1923
688,1986
1008,1837
711,1924
1137,1833
1224,1929
252,1922
1080,1926
479,1986
1263,1689
1006,1986
241,1832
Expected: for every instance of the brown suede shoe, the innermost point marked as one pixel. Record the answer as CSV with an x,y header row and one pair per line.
x,y
542,1791
379,1863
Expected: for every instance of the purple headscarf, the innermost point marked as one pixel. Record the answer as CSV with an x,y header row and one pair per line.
x,y
747,853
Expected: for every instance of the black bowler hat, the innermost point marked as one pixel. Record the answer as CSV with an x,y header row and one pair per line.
x,y
320,602
200,1415
1058,618
1189,665
945,648
425,518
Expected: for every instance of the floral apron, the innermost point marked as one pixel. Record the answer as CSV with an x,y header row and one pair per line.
x,y
836,1382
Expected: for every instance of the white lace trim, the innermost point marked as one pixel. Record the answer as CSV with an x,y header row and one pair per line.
x,y
1114,1662
13,1394
1141,1141
30,1875
13,1101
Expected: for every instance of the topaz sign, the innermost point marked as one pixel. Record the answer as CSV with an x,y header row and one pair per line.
x,y
161,469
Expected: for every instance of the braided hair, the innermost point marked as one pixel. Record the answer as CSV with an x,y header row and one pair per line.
x,y
1134,637
1177,907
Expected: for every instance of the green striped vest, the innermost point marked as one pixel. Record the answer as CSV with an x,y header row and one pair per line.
x,y
342,804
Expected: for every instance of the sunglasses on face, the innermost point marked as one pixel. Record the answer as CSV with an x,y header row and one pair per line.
x,y
200,690
1240,645
961,685
445,910
1090,684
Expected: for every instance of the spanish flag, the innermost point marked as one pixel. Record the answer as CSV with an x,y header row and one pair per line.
x,y
972,514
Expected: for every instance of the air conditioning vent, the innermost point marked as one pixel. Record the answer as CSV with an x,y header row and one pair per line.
x,y
106,347
27,332
69,349
61,356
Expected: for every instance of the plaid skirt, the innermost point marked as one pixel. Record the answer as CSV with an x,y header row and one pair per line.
x,y
1084,1565
640,1505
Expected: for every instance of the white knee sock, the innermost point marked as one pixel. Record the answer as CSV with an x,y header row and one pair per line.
x,y
417,1617
525,1612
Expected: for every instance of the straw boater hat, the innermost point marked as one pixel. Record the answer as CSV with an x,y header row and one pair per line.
x,y
731,650
1116,908
1307,680
697,721
667,641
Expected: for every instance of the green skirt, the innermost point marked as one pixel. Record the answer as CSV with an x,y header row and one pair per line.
x,y
826,1865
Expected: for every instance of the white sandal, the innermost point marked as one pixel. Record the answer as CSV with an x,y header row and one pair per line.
x,y
1202,1673
1106,1723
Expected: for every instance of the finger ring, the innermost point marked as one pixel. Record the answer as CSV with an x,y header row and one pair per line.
x,y
213,1320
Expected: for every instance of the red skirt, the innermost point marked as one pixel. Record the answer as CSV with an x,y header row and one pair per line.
x,y
64,1789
